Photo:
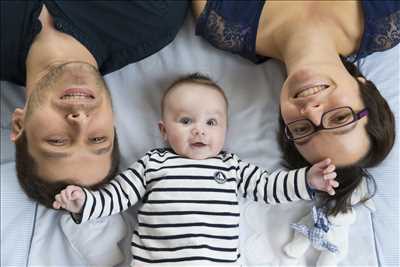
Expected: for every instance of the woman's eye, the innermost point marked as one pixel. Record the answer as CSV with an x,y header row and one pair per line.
x,y
98,140
212,122
338,118
300,129
185,121
341,119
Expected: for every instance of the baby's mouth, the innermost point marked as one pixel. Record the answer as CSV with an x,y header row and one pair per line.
x,y
198,144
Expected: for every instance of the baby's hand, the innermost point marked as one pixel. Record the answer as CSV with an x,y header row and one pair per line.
x,y
70,198
321,176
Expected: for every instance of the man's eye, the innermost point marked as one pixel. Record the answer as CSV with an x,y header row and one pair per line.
x,y
98,140
57,141
185,121
212,122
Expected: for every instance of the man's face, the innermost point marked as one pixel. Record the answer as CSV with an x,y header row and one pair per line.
x,y
68,121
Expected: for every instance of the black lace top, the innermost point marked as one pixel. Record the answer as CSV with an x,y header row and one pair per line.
x,y
232,26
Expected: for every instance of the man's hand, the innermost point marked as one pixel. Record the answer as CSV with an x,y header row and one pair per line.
x,y
70,198
321,176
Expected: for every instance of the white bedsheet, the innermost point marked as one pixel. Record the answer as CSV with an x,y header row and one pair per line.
x,y
32,235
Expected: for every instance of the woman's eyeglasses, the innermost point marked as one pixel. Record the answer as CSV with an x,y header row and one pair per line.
x,y
331,119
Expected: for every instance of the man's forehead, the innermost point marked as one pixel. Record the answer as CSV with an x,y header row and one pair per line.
x,y
79,170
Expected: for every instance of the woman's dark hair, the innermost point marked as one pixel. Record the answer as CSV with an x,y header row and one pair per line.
x,y
381,132
36,187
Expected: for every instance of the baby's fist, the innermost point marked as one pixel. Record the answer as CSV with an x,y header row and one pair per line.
x,y
70,198
321,176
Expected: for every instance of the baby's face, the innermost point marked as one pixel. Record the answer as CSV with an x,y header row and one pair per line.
x,y
195,120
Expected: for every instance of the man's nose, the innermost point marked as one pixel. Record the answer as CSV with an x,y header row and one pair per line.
x,y
313,112
79,117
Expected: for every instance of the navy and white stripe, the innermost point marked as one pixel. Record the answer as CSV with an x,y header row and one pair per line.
x,y
190,210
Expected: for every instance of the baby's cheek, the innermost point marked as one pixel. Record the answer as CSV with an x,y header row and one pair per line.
x,y
218,143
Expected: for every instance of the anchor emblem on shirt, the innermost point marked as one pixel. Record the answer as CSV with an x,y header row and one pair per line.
x,y
220,177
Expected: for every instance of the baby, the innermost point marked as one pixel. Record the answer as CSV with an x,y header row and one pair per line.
x,y
189,191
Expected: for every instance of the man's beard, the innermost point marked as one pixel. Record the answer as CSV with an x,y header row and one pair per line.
x,y
48,83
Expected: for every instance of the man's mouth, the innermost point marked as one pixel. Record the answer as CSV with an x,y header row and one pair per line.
x,y
73,98
77,94
313,90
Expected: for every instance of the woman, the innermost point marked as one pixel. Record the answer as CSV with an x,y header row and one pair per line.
x,y
328,109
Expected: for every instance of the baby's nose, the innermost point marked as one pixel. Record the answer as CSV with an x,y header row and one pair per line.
x,y
198,131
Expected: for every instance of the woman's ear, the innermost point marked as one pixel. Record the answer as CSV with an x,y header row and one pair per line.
x,y
17,124
361,79
163,132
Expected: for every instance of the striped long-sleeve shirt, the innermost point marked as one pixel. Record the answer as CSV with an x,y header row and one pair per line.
x,y
190,209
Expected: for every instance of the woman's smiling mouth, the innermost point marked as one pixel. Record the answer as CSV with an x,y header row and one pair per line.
x,y
311,91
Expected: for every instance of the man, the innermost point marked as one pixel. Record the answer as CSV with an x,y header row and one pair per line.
x,y
59,51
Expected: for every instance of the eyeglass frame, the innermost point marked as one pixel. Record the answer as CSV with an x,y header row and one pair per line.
x,y
356,117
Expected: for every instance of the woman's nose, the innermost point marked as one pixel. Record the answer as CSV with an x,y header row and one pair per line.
x,y
312,112
309,106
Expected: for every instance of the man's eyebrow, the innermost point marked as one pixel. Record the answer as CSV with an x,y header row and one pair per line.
x,y
338,131
60,155
103,150
54,155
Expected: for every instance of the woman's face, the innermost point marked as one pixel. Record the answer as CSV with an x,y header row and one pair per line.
x,y
308,93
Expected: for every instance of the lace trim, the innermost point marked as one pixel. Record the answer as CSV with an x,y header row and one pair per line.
x,y
380,35
387,32
233,37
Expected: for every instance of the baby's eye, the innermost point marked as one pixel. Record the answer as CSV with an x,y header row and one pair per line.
x,y
185,120
212,122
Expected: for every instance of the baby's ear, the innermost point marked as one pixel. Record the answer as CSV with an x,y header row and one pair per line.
x,y
17,124
163,131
